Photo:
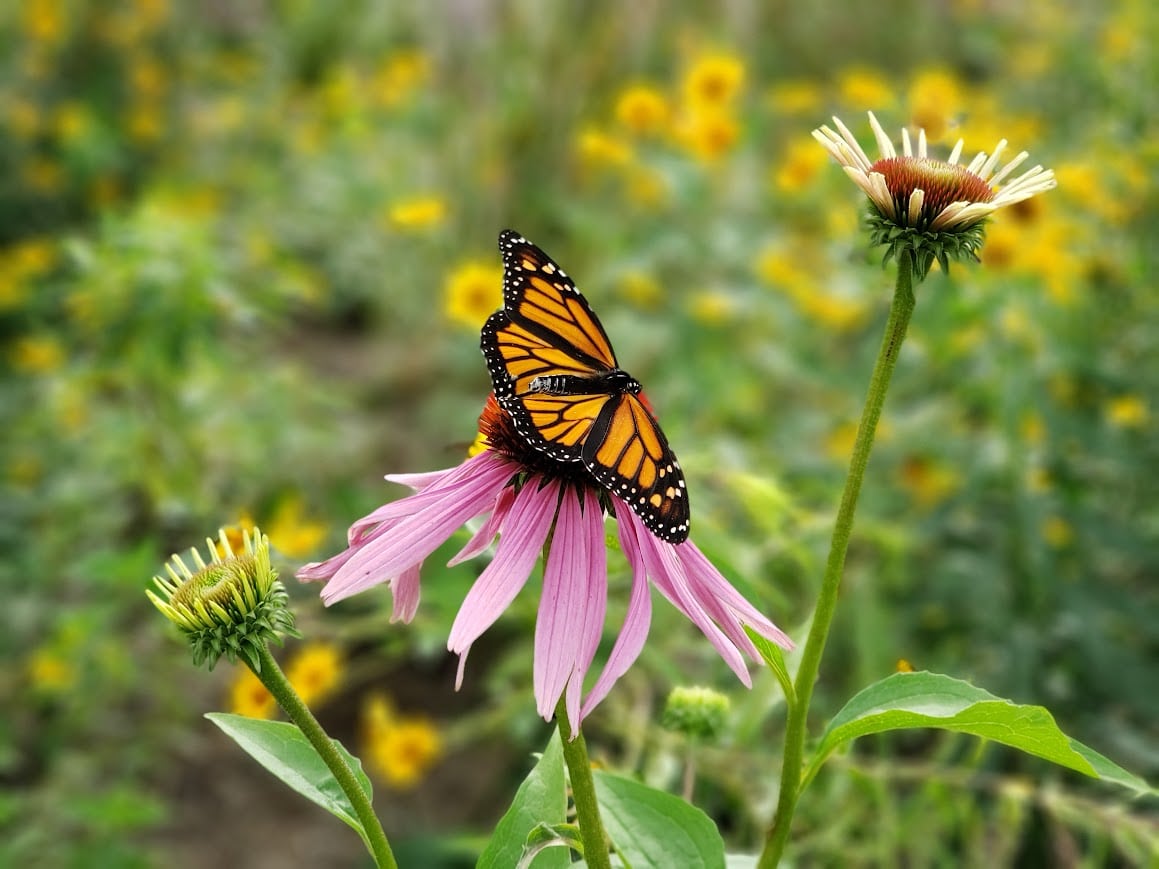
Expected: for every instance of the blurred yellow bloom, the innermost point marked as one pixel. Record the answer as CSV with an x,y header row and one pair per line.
x,y
399,76
1038,480
478,445
44,20
151,12
72,121
419,212
1057,532
935,101
249,697
1127,411
641,289
597,148
798,166
399,748
37,354
928,482
798,97
472,292
903,666
1032,428
290,532
23,118
147,77
144,124
837,312
711,307
713,81
316,671
30,257
43,174
647,187
235,534
839,442
642,110
50,673
864,88
707,133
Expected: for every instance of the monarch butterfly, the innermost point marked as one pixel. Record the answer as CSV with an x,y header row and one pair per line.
x,y
555,373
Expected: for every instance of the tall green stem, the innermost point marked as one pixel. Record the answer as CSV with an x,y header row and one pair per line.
x,y
583,793
895,329
275,680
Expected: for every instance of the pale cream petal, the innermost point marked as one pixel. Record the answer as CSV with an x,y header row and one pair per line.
x,y
1008,168
989,165
915,205
884,145
906,150
956,153
863,160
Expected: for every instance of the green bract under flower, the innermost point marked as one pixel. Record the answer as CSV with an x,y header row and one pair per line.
x,y
933,209
232,606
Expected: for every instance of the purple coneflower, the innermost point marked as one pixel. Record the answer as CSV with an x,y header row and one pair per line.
x,y
529,500
933,207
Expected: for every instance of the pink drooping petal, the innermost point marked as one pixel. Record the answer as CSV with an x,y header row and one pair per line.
x,y
634,631
483,537
415,537
406,595
320,571
439,482
522,536
711,586
559,624
596,609
668,576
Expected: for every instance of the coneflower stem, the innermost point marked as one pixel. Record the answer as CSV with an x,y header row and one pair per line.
x,y
275,680
899,316
583,793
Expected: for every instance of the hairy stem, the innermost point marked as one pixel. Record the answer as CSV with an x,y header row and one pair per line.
x,y
583,793
895,329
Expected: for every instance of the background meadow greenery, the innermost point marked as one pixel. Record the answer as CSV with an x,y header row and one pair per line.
x,y
245,250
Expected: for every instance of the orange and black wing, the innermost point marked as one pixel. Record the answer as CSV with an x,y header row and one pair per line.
x,y
557,425
628,454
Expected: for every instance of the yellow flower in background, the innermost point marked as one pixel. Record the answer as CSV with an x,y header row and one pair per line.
x,y
796,169
796,97
147,77
713,81
249,697
37,354
928,482
935,102
235,534
398,748
399,76
641,289
1032,428
72,121
50,672
1127,411
43,21
290,532
417,213
599,149
711,308
707,134
472,292
43,175
23,118
647,187
316,671
864,88
642,110
1057,532
144,124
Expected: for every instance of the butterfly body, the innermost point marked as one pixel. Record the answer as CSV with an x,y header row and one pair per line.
x,y
556,375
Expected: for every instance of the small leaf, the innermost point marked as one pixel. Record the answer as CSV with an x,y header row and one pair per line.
x,y
541,799
651,828
283,750
772,655
908,700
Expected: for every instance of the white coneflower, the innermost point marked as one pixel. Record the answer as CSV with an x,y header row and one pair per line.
x,y
934,208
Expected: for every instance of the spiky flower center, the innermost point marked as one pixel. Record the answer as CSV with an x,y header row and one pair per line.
x,y
216,582
941,183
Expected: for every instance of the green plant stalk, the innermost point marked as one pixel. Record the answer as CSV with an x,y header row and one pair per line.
x,y
275,680
791,782
583,793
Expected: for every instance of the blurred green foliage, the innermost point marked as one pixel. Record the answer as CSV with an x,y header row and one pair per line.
x,y
240,248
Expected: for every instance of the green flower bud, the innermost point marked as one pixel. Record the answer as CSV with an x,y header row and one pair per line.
x,y
232,606
699,713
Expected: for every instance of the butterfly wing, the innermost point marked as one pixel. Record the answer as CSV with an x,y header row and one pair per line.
x,y
557,425
628,454
540,297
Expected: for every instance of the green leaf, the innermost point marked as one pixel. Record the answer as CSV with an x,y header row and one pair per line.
x,y
541,799
283,750
908,700
772,655
651,828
